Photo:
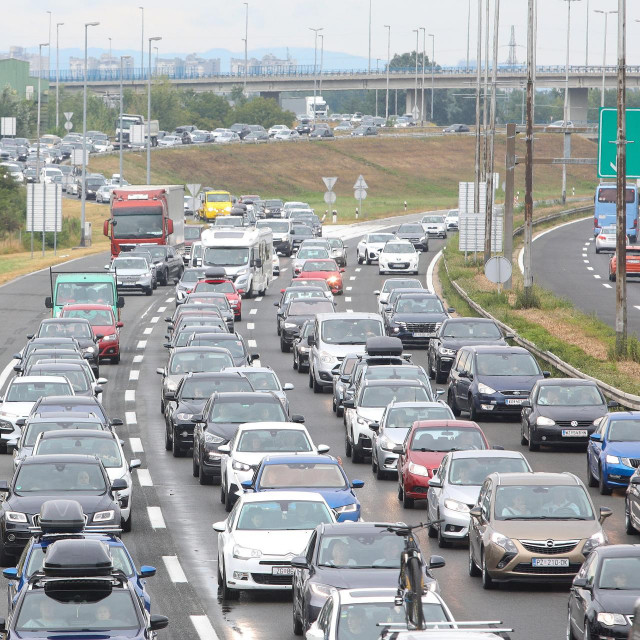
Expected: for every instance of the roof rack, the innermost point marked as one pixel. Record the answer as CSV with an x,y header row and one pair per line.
x,y
384,346
455,627
64,518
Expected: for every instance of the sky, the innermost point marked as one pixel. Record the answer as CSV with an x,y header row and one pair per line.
x,y
196,26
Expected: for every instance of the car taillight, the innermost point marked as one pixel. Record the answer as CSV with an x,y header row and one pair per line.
x,y
602,237
635,223
595,222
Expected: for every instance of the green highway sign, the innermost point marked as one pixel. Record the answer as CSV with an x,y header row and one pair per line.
x,y
607,147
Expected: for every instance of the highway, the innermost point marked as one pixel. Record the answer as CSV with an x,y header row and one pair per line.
x,y
173,513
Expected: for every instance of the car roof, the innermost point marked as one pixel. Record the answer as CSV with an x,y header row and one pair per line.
x,y
289,426
416,405
536,478
197,349
28,379
619,550
496,349
467,319
310,458
393,382
252,396
268,496
441,424
485,453
378,594
349,527
625,415
251,370
78,433
64,416
77,400
572,382
61,457
321,317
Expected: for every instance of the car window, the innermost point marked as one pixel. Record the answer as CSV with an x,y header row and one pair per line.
x,y
308,475
620,573
570,396
507,364
419,305
364,550
473,471
537,502
623,430
282,515
379,396
33,391
273,441
471,330
446,439
238,412
61,476
404,417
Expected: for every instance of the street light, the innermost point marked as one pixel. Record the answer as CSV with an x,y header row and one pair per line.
x,y
246,51
58,25
424,55
321,63
433,54
415,90
46,44
369,68
122,59
154,39
315,77
377,71
141,42
109,51
604,54
388,27
83,240
468,30
155,70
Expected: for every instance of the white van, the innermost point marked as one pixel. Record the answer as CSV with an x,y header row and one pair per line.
x,y
245,254
47,174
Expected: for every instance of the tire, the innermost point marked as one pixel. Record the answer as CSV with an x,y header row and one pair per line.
x,y
203,478
523,440
612,277
441,378
407,503
357,454
628,525
487,580
432,532
347,447
228,500
195,470
473,412
161,406
115,359
570,635
225,592
474,572
360,261
298,627
239,318
339,411
443,543
222,493
164,281
149,291
602,485
310,378
6,559
430,370
168,443
284,347
128,524
453,405
380,473
591,481
533,446
597,250
176,450
295,363
413,575
317,388
278,328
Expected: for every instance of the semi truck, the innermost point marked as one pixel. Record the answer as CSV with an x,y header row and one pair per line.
x,y
146,214
321,107
129,119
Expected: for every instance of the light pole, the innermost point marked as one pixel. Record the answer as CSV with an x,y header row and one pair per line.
x,y
604,53
433,53
141,42
321,63
109,51
83,240
154,39
46,44
122,59
369,67
58,25
315,71
386,110
468,30
586,47
377,72
424,55
155,68
246,51
415,90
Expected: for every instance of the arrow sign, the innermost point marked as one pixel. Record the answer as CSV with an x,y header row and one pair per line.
x,y
360,183
193,189
607,143
329,182
68,115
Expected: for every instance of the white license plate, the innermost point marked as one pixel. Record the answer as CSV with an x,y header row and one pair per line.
x,y
282,571
633,261
516,400
574,433
423,335
550,562
398,265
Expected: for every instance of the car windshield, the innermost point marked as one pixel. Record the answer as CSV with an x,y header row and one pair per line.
x,y
570,396
419,305
218,197
471,329
473,471
310,306
542,502
335,243
310,282
191,233
217,287
400,372
433,220
507,364
390,285
238,411
139,264
274,441
192,275
33,430
234,346
624,431
263,380
226,256
380,237
75,611
310,475
410,228
105,449
195,362
96,317
33,391
317,265
622,574
315,252
85,292
273,203
446,439
362,550
398,247
404,417
65,330
283,515
378,396
202,388
76,377
295,293
346,331
52,477
137,222
275,225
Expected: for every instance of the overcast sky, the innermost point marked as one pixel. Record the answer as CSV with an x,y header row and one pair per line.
x,y
200,25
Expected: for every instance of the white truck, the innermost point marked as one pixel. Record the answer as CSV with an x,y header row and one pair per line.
x,y
321,107
129,119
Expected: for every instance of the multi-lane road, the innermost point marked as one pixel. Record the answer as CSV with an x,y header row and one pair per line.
x,y
173,513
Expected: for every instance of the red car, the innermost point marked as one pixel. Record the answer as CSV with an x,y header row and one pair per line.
x,y
326,269
424,447
221,285
103,323
633,263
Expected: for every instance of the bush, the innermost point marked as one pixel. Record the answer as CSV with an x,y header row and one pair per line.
x,y
68,237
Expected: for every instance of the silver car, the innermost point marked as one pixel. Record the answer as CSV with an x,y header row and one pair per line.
x,y
265,380
606,239
455,487
369,248
435,225
132,273
452,219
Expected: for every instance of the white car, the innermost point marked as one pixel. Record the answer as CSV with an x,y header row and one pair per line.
x,y
276,264
252,442
277,128
227,137
371,245
103,444
260,537
435,225
289,134
308,253
606,239
451,219
400,256
169,141
21,394
102,146
393,283
216,132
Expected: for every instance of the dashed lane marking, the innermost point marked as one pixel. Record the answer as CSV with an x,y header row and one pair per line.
x,y
252,343
358,269
130,417
251,326
352,278
130,395
147,331
584,255
137,359
174,569
635,306
605,284
154,319
134,374
349,288
586,261
161,309
349,310
253,312
347,299
596,276
589,268
203,628
259,299
155,518
169,300
144,478
136,445
141,344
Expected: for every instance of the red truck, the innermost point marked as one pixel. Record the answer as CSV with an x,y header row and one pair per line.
x,y
146,214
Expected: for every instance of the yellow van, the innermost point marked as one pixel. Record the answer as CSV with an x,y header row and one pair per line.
x,y
216,203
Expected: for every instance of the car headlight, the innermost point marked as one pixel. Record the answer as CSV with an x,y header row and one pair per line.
x,y
290,325
212,439
363,421
447,352
347,508
432,586
545,422
484,388
244,553
332,279
112,337
504,542
104,516
171,385
240,466
242,272
89,350
611,619
386,444
594,541
455,505
327,358
303,349
323,590
234,303
612,459
184,416
418,469
227,208
15,516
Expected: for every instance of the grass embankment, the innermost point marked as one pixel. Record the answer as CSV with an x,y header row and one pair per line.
x,y
423,171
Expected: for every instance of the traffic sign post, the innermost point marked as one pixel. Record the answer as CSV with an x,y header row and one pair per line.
x,y
8,126
194,190
360,192
330,196
608,149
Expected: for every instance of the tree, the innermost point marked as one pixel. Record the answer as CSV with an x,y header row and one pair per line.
x,y
209,110
237,95
13,204
264,111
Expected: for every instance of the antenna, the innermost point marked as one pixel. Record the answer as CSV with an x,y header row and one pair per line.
x,y
512,60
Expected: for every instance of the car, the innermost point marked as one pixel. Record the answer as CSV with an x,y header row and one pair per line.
x,y
338,251
103,194
49,405
398,255
532,527
237,347
318,283
132,273
326,269
403,123
273,208
243,130
613,451
421,453
106,447
197,332
309,219
394,283
192,232
265,380
496,380
456,128
256,136
288,135
251,444
435,225
303,128
342,374
452,219
281,232
42,354
365,130
256,541
301,348
321,132
632,263
298,293
217,293
307,253
296,313
230,221
460,332
562,412
187,281
560,124
77,373
141,252
606,239
299,233
454,488
167,261
391,430
227,137
415,233
349,556
218,283
105,327
416,317
170,141
344,126
277,127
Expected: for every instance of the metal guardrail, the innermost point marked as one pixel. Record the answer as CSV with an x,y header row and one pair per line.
x,y
621,397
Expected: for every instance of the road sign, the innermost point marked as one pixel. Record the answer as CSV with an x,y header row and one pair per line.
x,y
608,149
68,125
329,182
193,189
137,133
76,157
360,183
360,194
68,115
44,207
8,126
329,197
497,269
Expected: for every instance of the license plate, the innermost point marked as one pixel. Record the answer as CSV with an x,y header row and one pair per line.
x,y
282,571
422,335
550,562
397,264
574,433
516,400
633,261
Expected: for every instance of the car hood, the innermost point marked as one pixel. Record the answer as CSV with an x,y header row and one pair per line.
x,y
352,578
375,245
277,543
429,459
335,497
19,409
371,413
398,257
618,601
573,413
223,429
456,343
395,435
547,529
105,330
131,272
32,504
341,350
466,494
191,406
520,383
418,317
624,449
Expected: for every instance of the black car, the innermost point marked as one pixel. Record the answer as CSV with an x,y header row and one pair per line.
x,y
80,404
415,234
322,132
347,555
91,187
296,313
209,293
41,478
236,346
186,336
301,347
222,415
243,130
291,293
561,412
456,128
40,355
273,208
460,332
168,263
189,399
35,343
304,128
310,220
299,233
604,593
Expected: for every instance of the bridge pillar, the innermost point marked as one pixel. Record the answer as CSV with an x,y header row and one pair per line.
x,y
413,103
578,105
275,95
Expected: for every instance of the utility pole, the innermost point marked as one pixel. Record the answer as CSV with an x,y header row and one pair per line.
x,y
468,30
424,55
528,175
322,63
510,166
121,146
315,71
246,50
415,90
58,25
604,51
476,192
621,184
586,47
433,55
485,106
388,27
369,67
153,39
141,42
49,56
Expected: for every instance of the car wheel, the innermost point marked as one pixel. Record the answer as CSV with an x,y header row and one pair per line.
x,y
443,543
149,291
317,388
407,503
298,627
128,523
339,411
176,449
430,370
284,347
400,492
165,278
603,487
441,377
628,525
167,440
597,250
473,412
162,407
228,500
310,378
357,454
487,580
591,481
360,261
195,471
333,404
533,446
6,559
295,361
587,631
612,277
453,405
225,591
523,440
380,473
347,447
367,261
474,572
432,532
116,360
203,478
222,492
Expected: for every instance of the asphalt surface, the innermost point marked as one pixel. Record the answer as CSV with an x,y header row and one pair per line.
x,y
173,513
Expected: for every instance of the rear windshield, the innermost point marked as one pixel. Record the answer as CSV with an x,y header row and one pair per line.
x,y
202,388
96,317
378,397
33,391
35,429
65,330
293,475
199,362
404,417
609,194
105,449
446,439
310,307
507,364
473,471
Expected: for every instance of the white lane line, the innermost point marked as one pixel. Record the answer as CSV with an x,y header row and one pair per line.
x,y
251,326
130,417
283,270
596,276
635,306
7,371
203,628
136,445
349,310
134,374
430,269
147,311
589,268
586,261
155,518
253,312
174,569
352,278
144,478
141,344
584,255
169,300
347,299
358,269
147,331
605,284
154,319
252,343
259,299
349,288
137,359
161,309
130,395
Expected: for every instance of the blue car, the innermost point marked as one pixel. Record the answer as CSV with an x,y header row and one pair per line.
x,y
318,473
613,452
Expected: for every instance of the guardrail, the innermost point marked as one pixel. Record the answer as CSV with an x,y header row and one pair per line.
x,y
624,399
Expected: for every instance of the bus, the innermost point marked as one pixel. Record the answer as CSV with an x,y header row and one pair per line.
x,y
605,208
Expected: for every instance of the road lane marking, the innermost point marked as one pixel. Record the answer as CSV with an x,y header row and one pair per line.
x,y
635,306
586,261
358,269
253,312
154,319
147,311
137,359
352,278
349,310
283,270
134,374
604,284
174,569
347,299
596,276
136,445
251,326
203,628
147,331
589,268
349,288
130,417
252,343
155,518
169,300
161,309
144,478
141,344
259,299
130,395
430,269
584,255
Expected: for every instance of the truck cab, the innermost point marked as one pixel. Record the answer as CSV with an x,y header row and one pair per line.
x,y
216,203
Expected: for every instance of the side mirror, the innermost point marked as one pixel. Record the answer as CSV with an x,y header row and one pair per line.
x,y
160,371
167,319
20,422
276,304
546,374
224,448
436,562
605,512
497,447
596,437
398,449
342,269
47,302
87,356
169,395
288,386
97,390
476,512
116,422
634,479
167,345
134,464
296,417
612,404
17,356
435,483
99,336
197,417
219,526
12,445
439,392
526,404
581,583
451,310
357,484
120,302
119,484
374,426
324,448
11,573
169,226
299,562
102,381
253,357
376,292
246,484
509,336
157,622
17,368
146,571
312,341
348,404
29,336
